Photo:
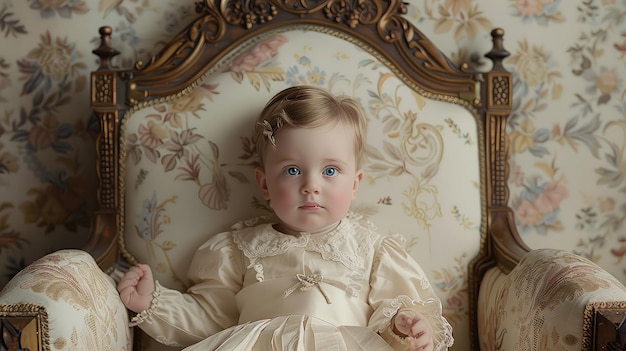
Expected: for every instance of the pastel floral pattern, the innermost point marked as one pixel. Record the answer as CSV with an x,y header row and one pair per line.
x,y
568,106
568,103
539,203
541,11
51,72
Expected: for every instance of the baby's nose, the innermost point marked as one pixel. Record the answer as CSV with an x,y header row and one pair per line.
x,y
310,187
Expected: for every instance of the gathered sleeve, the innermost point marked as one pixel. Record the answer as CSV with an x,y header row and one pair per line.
x,y
398,283
208,306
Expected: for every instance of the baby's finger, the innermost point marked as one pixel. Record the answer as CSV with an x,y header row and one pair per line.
x,y
143,268
125,283
131,278
404,321
419,344
420,327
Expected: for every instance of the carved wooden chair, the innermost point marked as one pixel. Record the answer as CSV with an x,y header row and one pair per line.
x,y
175,165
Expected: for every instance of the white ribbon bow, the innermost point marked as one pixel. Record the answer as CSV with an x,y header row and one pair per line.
x,y
306,282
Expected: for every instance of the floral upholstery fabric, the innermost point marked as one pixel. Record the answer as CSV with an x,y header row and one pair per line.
x,y
189,170
541,304
84,309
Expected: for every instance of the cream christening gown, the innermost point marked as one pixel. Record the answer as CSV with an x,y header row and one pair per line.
x,y
258,289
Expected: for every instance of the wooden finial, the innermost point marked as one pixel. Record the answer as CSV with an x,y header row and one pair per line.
x,y
105,52
498,53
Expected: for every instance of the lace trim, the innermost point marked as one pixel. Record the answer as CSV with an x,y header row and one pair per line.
x,y
258,268
388,331
252,222
267,242
257,241
330,246
145,314
431,308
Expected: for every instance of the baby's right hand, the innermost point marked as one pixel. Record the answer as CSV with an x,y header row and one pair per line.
x,y
136,288
416,328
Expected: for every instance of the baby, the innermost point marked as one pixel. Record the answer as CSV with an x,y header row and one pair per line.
x,y
316,277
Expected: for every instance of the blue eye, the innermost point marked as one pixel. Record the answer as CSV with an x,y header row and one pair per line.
x,y
330,171
292,171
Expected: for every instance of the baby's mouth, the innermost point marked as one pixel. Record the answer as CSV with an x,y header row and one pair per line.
x,y
311,206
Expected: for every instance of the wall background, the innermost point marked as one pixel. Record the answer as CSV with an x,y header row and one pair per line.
x,y
567,132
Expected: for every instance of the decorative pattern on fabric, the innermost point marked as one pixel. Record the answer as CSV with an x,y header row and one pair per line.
x,y
82,300
524,310
269,242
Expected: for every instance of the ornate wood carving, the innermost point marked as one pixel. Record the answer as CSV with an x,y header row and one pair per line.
x,y
223,25
106,151
498,158
103,89
604,326
105,52
107,88
247,14
24,327
500,87
502,245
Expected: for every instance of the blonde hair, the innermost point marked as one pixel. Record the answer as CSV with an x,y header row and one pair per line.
x,y
308,107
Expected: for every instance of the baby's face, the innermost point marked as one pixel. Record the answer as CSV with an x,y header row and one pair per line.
x,y
311,177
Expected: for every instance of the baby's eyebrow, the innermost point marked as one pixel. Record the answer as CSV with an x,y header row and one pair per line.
x,y
336,160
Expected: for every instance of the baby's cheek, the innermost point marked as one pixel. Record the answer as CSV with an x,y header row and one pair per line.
x,y
282,198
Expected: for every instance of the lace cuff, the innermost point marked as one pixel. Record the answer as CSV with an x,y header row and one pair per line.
x,y
388,333
431,309
145,314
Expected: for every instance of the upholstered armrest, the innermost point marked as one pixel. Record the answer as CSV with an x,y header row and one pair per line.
x,y
67,289
546,303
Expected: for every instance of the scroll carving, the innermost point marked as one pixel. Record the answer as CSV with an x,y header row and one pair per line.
x,y
377,23
393,28
209,27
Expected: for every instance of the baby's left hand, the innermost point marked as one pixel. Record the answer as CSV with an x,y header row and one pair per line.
x,y
416,327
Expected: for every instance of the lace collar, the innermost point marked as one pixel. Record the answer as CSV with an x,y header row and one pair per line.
x,y
349,243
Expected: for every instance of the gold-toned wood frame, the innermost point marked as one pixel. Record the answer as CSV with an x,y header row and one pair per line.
x,y
604,324
24,327
223,25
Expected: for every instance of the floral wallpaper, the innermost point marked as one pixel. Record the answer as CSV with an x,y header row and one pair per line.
x,y
567,132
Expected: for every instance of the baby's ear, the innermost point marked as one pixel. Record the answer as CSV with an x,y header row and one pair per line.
x,y
261,181
357,181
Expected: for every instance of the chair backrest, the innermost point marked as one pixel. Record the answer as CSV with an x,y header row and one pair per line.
x,y
176,164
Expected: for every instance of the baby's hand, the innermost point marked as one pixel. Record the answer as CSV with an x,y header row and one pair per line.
x,y
416,327
136,288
